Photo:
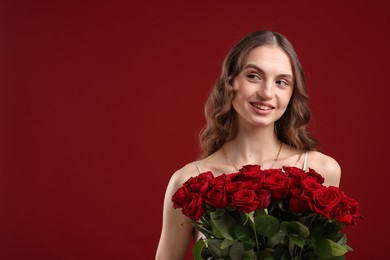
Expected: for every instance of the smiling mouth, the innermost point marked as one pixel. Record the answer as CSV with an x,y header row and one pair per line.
x,y
262,107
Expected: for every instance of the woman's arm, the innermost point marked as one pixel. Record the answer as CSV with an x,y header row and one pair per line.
x,y
177,230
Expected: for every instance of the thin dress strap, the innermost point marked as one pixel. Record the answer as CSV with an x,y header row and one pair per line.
x,y
196,165
304,161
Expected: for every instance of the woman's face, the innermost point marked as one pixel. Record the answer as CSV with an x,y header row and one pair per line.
x,y
264,87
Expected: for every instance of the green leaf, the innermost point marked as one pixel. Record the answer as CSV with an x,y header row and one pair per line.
x,y
249,255
242,233
343,239
216,232
296,240
236,251
262,212
224,223
277,239
347,247
200,228
295,228
266,225
249,244
326,248
337,249
226,243
214,246
280,251
303,232
323,248
289,227
197,249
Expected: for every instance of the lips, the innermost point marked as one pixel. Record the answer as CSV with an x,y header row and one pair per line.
x,y
262,106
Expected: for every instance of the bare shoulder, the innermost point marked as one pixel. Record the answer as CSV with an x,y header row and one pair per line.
x,y
182,175
325,165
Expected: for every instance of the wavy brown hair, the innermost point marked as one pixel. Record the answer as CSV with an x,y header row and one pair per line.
x,y
221,118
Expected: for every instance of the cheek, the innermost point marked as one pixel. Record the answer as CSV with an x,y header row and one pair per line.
x,y
285,99
241,95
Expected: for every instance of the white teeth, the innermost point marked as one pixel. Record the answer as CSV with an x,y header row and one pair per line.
x,y
261,107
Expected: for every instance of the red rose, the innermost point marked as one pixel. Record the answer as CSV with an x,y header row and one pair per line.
x,y
353,208
232,188
235,177
296,191
310,184
245,201
250,169
263,198
200,183
236,181
347,211
324,200
219,181
217,198
194,206
298,204
253,185
248,173
180,197
249,177
278,184
295,173
317,176
270,172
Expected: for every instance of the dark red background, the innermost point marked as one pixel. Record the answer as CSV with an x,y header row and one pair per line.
x,y
102,101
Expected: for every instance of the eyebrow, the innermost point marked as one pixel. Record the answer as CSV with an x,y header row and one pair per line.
x,y
253,66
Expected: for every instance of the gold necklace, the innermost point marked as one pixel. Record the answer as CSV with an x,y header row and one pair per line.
x,y
235,167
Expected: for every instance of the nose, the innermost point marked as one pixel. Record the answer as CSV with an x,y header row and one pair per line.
x,y
266,91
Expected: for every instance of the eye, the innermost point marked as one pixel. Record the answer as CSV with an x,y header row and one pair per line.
x,y
282,82
253,76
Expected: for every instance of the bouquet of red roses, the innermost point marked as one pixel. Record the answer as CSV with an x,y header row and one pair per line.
x,y
284,213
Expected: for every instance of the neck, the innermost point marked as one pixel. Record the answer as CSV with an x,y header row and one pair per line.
x,y
253,146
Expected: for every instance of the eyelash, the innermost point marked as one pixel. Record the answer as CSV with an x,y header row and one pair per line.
x,y
282,82
252,76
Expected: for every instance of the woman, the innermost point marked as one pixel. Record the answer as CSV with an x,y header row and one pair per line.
x,y
256,113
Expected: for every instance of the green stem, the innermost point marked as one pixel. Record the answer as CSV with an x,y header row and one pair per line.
x,y
326,223
311,221
257,240
300,253
308,226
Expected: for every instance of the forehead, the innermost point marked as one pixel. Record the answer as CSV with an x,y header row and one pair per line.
x,y
269,58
